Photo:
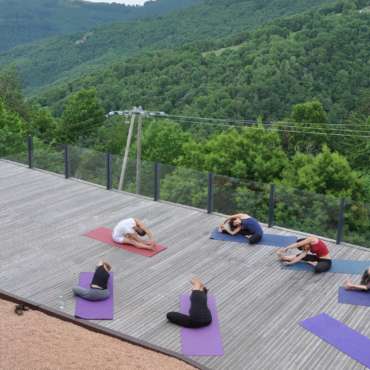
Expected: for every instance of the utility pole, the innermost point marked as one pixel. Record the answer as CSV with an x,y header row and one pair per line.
x,y
141,113
127,148
138,153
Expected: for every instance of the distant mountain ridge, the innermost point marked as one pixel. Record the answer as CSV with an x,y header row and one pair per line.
x,y
45,62
24,21
321,54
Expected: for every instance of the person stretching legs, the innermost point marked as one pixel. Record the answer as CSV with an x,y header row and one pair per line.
x,y
199,313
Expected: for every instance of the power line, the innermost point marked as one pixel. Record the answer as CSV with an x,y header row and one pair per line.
x,y
254,122
290,129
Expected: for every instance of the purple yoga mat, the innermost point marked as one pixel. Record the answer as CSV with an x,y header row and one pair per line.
x,y
98,310
353,297
343,338
205,341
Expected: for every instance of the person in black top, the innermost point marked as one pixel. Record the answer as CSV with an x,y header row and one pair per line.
x,y
199,313
98,290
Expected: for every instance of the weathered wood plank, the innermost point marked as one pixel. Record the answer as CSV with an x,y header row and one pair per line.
x,y
43,217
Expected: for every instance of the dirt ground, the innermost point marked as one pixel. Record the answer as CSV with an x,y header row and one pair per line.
x,y
37,341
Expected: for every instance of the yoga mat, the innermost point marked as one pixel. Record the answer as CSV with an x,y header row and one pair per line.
x,y
104,235
356,298
97,310
339,335
205,341
270,240
338,266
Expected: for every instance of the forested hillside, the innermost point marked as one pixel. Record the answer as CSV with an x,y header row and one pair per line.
x,y
320,55
23,21
47,61
303,78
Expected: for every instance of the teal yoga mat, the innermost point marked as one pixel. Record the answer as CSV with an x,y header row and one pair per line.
x,y
338,266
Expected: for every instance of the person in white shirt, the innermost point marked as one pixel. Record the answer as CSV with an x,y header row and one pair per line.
x,y
131,231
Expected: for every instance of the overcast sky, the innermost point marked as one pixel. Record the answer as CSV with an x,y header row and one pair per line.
x,y
127,2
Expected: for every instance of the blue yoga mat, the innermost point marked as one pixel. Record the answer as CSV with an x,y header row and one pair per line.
x,y
270,240
338,266
356,298
340,336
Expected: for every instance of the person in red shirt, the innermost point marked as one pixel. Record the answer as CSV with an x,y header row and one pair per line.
x,y
313,251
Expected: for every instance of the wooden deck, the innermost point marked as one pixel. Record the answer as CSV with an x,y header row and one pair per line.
x,y
42,251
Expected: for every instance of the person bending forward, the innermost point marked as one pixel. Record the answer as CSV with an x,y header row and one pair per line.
x,y
199,313
364,284
98,290
241,223
313,251
130,231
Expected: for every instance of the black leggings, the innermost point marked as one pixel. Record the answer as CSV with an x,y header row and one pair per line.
x,y
186,320
253,238
323,264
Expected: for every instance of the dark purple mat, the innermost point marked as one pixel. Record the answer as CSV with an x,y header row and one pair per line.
x,y
343,338
352,297
203,341
100,310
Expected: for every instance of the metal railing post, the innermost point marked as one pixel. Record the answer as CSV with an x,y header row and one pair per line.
x,y
272,206
210,193
66,161
340,227
157,181
30,150
109,171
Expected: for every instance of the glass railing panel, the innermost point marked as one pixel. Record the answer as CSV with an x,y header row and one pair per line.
x,y
142,183
18,153
308,212
88,165
233,195
357,223
49,157
184,186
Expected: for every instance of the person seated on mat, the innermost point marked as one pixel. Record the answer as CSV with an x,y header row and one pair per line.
x,y
98,290
130,231
313,251
199,313
241,223
364,284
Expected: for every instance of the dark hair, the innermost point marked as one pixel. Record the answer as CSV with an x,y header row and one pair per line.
x,y
205,290
107,266
231,223
301,240
140,231
365,278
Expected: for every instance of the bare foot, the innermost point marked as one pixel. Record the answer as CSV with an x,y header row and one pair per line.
x,y
197,283
347,284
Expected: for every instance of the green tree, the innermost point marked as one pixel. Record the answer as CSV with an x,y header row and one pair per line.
x,y
12,132
253,153
326,173
310,112
81,118
163,141
11,91
42,124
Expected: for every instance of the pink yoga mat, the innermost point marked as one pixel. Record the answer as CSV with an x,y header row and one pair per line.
x,y
205,341
104,235
94,310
